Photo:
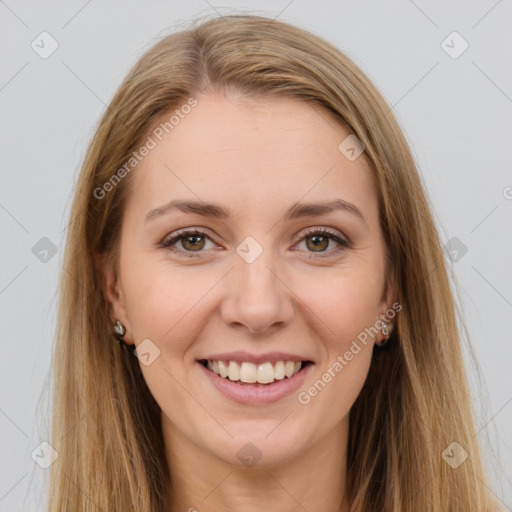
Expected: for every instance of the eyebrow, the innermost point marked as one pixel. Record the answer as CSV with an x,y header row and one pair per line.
x,y
296,211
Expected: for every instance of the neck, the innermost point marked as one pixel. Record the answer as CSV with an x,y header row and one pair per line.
x,y
201,482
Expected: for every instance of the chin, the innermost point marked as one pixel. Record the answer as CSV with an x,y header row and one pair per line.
x,y
255,448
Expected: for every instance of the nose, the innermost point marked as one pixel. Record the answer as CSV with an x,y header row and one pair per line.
x,y
257,297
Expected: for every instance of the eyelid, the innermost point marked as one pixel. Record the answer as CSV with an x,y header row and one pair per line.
x,y
343,241
327,230
189,231
182,233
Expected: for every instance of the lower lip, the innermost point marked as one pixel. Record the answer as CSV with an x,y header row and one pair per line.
x,y
252,394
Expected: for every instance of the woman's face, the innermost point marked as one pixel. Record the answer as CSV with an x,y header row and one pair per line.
x,y
261,283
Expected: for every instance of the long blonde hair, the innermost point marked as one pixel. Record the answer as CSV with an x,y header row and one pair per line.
x,y
415,401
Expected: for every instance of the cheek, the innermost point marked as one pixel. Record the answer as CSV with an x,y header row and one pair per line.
x,y
164,301
331,393
349,306
346,302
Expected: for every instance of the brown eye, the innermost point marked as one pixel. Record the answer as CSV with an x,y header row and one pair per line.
x,y
320,242
317,242
190,241
193,242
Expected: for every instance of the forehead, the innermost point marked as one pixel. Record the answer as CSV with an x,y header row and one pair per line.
x,y
251,154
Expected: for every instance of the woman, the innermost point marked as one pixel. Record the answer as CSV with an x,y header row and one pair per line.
x,y
250,225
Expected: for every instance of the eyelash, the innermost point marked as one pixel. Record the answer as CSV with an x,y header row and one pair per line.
x,y
344,244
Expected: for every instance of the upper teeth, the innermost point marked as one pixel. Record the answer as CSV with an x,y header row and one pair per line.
x,y
263,373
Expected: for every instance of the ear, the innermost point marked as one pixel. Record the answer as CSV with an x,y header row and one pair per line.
x,y
389,301
113,293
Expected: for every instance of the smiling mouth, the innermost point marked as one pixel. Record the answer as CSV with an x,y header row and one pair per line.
x,y
246,373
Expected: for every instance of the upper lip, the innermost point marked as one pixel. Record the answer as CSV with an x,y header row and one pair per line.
x,y
241,356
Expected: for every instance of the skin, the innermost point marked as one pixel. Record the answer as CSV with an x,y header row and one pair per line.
x,y
255,158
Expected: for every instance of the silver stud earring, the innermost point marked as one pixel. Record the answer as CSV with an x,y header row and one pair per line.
x,y
119,332
386,331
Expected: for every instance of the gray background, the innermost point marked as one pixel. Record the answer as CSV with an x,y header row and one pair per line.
x,y
456,113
